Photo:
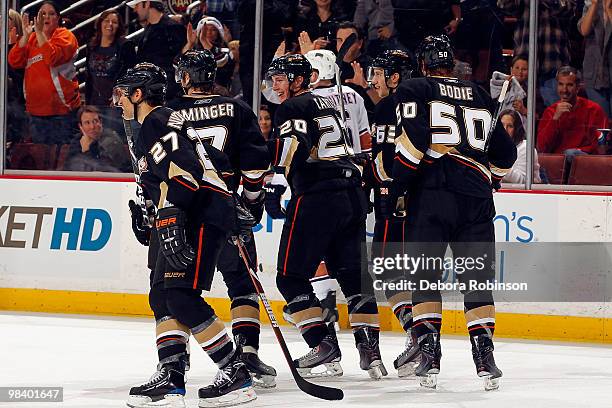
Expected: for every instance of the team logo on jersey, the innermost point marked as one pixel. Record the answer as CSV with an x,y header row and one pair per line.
x,y
179,6
142,165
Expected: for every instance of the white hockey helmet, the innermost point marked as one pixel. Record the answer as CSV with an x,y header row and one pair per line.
x,y
324,61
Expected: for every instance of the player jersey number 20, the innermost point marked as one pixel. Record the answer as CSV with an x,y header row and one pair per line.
x,y
446,127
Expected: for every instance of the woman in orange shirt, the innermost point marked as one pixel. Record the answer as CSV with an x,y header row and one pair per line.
x,y
47,52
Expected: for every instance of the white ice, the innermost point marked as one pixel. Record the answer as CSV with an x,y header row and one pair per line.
x,y
96,360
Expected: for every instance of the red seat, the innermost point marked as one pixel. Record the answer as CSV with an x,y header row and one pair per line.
x,y
591,171
554,164
30,156
62,156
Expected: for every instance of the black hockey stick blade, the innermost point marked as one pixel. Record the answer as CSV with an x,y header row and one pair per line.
x,y
350,40
318,391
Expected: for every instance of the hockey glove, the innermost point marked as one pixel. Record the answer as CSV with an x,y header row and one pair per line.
x,y
274,192
170,226
245,222
391,200
141,231
256,206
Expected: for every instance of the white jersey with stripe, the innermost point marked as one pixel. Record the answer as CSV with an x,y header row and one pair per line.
x,y
356,115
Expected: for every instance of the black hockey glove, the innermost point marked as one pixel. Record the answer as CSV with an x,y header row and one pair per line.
x,y
256,206
274,193
245,222
170,226
391,200
141,231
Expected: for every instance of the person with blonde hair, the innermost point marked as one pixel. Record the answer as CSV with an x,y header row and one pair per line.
x,y
47,52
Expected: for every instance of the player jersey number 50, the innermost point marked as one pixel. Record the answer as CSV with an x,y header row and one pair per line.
x,y
446,128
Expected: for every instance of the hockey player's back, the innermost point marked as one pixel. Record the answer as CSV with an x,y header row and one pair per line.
x,y
449,121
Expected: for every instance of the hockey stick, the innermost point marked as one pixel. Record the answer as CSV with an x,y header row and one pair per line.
x,y
129,135
319,391
500,102
348,43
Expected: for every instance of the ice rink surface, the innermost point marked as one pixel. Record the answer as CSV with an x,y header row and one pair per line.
x,y
96,360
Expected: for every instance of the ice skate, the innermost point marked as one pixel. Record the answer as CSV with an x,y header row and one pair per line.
x,y
366,339
262,374
232,386
429,363
408,360
482,352
321,361
166,388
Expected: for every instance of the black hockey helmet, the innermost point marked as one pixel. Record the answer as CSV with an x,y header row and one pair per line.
x,y
393,62
199,64
435,52
147,77
293,65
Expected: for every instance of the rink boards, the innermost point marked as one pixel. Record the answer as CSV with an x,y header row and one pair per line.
x,y
66,246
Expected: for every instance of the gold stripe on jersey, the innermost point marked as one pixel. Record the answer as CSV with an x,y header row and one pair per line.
x,y
380,168
437,150
478,166
175,171
499,172
404,146
290,145
163,193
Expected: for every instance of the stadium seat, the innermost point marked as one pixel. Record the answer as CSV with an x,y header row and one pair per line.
x,y
591,171
62,156
554,164
30,156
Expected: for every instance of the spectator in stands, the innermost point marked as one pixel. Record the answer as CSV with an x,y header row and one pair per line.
x,y
570,125
416,19
553,43
376,18
511,121
108,56
320,23
277,15
520,70
16,117
354,63
594,25
96,148
47,52
210,35
479,38
224,11
162,40
265,121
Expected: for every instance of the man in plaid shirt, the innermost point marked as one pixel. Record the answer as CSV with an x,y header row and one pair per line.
x,y
553,43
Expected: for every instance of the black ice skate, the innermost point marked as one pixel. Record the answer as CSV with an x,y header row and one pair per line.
x,y
262,374
429,363
321,361
482,352
407,361
166,388
232,386
366,340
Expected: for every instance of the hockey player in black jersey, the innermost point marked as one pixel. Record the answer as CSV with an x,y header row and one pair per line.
x,y
196,214
448,157
230,126
386,72
325,220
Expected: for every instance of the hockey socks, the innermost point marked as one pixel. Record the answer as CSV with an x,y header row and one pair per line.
x,y
245,321
401,304
212,337
171,340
